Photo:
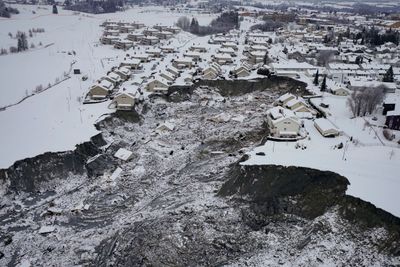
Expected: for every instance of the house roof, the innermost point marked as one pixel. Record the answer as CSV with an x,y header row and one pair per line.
x,y
130,95
285,97
114,76
325,125
294,101
124,70
106,84
279,113
292,65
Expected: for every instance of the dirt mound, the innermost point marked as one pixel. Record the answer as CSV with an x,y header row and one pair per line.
x,y
276,189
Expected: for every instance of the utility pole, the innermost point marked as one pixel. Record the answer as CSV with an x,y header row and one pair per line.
x,y
345,149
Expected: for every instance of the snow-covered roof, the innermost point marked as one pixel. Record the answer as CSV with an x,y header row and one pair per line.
x,y
106,84
293,102
354,82
292,65
133,61
285,97
277,113
342,66
325,125
223,56
124,70
114,76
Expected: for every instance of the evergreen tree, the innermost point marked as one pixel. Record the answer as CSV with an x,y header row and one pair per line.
x,y
285,50
55,11
388,77
22,42
323,84
194,26
265,59
359,60
316,79
326,39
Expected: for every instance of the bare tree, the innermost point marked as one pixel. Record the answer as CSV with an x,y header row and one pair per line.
x,y
364,101
374,97
183,23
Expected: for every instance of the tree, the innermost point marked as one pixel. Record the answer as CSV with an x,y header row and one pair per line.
x,y
55,11
323,84
359,60
266,58
22,43
389,76
326,39
316,79
285,50
183,23
194,26
364,101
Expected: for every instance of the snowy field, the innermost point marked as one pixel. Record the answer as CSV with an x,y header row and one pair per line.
x,y
56,120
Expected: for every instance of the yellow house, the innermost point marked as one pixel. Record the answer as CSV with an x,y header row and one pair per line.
x,y
158,84
339,91
98,92
124,101
297,105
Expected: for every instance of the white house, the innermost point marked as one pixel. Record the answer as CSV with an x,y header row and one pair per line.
x,y
227,50
194,55
167,75
158,85
131,63
167,49
154,52
283,123
113,77
173,70
100,91
181,63
124,73
241,71
124,101
142,57
198,48
123,44
222,59
300,108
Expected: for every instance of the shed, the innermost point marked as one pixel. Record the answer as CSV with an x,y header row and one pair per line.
x,y
326,128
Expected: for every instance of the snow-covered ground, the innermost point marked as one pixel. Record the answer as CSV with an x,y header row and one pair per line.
x,y
56,120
